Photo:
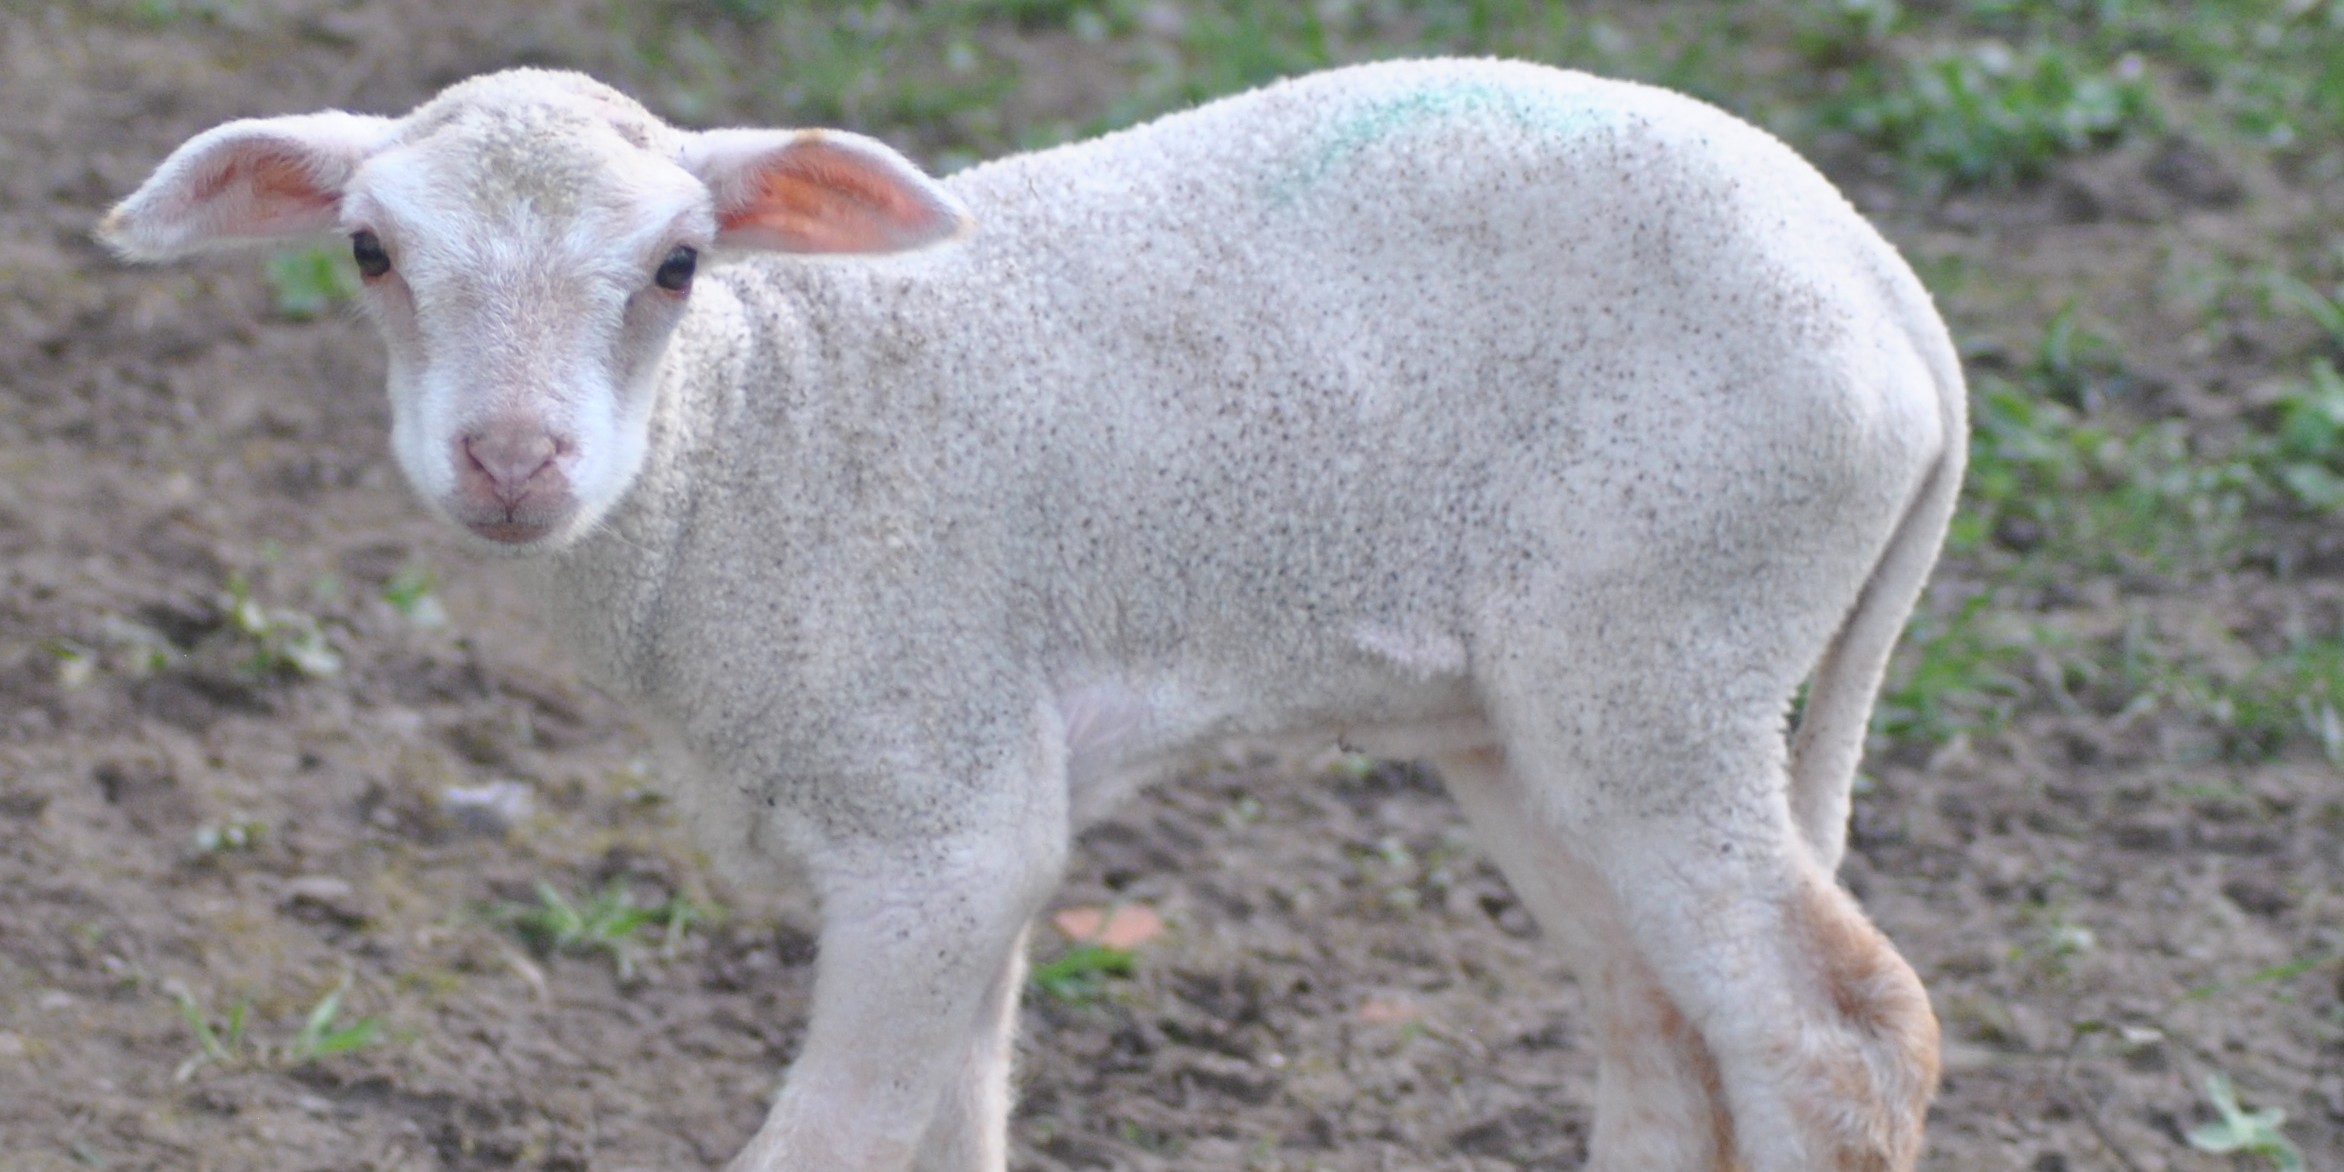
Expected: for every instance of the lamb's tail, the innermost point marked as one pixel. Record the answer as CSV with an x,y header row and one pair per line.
x,y
1830,737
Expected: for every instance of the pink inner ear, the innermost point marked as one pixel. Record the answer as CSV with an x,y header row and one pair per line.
x,y
276,185
819,198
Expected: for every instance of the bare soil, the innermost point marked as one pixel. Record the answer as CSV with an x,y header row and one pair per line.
x,y
1345,982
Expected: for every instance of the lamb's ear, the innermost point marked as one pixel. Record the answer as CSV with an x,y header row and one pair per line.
x,y
819,191
255,179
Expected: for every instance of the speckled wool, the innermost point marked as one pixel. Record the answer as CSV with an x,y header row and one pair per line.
x,y
1552,428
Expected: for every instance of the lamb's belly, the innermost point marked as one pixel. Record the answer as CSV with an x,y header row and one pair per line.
x,y
1118,742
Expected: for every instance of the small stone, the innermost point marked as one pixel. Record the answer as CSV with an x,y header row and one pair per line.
x,y
324,896
2259,896
322,888
489,811
1233,1077
2147,834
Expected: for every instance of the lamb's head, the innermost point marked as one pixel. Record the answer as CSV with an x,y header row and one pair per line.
x,y
527,242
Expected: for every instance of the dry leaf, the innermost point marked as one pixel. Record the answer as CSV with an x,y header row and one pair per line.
x,y
1124,926
1388,1011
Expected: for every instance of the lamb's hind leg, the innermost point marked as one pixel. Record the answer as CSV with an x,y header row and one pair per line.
x,y
1658,1106
1752,1018
1825,1043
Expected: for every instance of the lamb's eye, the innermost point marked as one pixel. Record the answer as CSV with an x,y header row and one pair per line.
x,y
675,273
367,249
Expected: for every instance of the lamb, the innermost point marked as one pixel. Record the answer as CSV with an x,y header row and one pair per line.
x,y
1547,428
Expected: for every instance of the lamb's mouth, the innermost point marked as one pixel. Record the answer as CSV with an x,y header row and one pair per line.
x,y
509,532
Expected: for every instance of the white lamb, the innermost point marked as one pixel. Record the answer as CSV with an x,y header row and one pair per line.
x,y
1550,428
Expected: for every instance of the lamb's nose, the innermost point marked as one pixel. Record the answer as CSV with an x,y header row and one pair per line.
x,y
510,456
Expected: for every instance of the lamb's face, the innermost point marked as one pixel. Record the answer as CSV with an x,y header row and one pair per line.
x,y
528,241
526,267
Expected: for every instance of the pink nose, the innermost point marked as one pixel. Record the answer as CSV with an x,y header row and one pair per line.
x,y
512,480
510,457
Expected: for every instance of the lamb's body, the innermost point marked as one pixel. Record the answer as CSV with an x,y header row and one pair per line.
x,y
1548,427
1305,395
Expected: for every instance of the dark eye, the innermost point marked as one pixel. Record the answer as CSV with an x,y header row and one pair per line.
x,y
675,273
367,249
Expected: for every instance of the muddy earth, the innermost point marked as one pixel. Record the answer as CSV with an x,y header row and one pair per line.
x,y
278,761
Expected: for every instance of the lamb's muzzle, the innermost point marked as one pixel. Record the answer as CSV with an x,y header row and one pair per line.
x,y
510,484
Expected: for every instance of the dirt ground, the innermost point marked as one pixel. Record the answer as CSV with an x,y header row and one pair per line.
x,y
2103,918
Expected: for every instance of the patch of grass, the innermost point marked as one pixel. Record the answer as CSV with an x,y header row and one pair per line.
x,y
1081,975
1404,879
873,67
231,1045
135,650
1830,33
677,918
414,593
305,283
2254,1133
2075,491
1990,113
2074,364
283,641
2058,491
1979,92
1229,46
606,922
1242,812
1052,14
2019,447
2053,938
124,648
320,1036
2326,310
2306,452
2285,971
2295,693
168,13
2269,66
2099,496
948,79
1971,669
74,664
1960,672
228,836
237,641
224,1046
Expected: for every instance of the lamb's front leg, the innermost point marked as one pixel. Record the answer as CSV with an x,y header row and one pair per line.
x,y
969,1132
905,1059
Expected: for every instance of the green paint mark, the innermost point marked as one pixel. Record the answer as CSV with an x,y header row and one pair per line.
x,y
1554,114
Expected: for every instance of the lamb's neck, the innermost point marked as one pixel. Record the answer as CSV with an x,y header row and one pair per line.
x,y
608,592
